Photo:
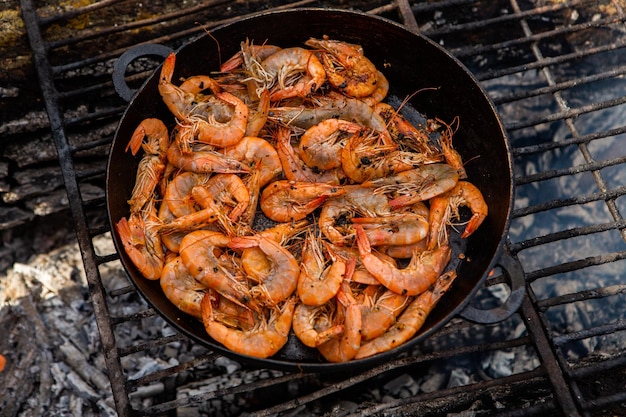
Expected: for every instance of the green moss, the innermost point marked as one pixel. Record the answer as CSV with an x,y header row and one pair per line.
x,y
11,28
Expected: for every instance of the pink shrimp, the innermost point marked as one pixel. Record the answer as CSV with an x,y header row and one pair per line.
x,y
422,271
445,207
293,63
410,321
285,201
282,279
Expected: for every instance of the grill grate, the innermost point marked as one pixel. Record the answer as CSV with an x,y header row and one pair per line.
x,y
555,71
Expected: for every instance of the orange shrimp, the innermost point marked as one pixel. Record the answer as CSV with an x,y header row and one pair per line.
x,y
265,339
380,93
445,207
200,252
320,275
347,68
344,347
230,314
204,161
282,279
285,201
414,185
172,240
422,271
255,263
367,155
153,137
181,288
335,220
221,134
379,309
181,102
394,229
258,118
451,155
246,54
295,169
178,196
314,325
360,275
294,72
141,241
228,192
410,321
256,154
408,136
321,145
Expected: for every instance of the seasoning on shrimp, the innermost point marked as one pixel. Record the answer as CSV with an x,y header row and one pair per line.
x,y
357,202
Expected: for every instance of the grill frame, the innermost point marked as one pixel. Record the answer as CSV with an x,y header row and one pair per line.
x,y
557,384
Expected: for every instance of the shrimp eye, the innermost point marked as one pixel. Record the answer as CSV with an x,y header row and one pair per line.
x,y
366,161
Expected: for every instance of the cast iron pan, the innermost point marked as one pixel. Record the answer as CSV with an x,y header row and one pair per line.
x,y
410,62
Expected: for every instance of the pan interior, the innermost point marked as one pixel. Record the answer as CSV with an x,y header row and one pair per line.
x,y
439,86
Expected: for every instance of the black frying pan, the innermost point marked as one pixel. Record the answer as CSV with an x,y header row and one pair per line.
x,y
410,62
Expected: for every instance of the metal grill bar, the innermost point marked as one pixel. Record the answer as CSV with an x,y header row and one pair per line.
x,y
98,296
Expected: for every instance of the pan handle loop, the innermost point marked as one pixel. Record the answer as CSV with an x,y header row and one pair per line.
x,y
513,269
119,69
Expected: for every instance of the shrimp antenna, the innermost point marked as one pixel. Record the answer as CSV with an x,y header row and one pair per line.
x,y
217,43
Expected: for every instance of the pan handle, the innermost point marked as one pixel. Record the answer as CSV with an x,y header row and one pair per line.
x,y
138,51
513,270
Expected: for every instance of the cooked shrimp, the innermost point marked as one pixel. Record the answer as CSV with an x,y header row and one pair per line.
x,y
344,347
451,155
153,137
360,274
295,72
335,220
314,325
170,240
320,275
410,321
230,314
265,339
445,208
366,156
178,101
141,241
379,94
258,118
229,193
282,279
181,288
404,251
421,272
247,53
331,106
149,173
394,229
379,309
200,252
222,134
204,160
285,201
409,137
178,196
414,185
254,261
256,154
295,169
321,145
347,68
